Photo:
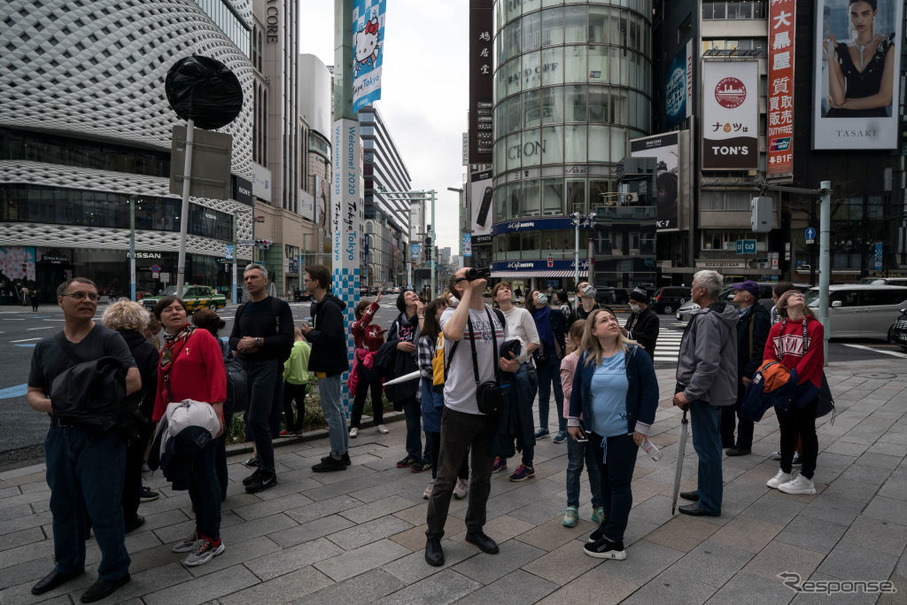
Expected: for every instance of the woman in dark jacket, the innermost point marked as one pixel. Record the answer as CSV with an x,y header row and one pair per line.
x,y
405,332
130,319
616,391
552,328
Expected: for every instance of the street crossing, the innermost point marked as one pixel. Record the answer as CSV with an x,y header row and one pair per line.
x,y
667,347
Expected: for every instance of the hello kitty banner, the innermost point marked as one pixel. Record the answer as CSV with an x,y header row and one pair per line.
x,y
368,51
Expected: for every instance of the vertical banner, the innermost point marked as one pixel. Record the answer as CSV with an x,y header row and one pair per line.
x,y
781,20
481,195
481,72
679,87
857,62
665,149
467,244
344,216
730,103
368,51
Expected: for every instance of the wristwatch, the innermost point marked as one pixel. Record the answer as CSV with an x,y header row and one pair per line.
x,y
257,342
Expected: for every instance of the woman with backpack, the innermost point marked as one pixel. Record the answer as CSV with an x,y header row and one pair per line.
x,y
405,332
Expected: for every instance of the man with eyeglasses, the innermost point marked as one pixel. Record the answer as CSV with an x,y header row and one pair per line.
x,y
262,336
85,467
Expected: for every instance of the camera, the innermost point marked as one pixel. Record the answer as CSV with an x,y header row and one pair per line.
x,y
589,291
473,274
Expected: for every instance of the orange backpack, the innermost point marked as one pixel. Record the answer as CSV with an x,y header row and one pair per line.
x,y
774,375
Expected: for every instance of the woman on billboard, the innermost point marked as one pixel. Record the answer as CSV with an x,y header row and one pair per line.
x,y
861,70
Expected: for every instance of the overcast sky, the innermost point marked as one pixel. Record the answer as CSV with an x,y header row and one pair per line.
x,y
425,87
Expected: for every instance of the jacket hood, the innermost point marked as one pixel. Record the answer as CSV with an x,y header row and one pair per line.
x,y
728,314
330,296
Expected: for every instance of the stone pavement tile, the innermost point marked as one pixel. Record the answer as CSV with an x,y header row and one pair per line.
x,y
887,509
154,521
204,589
817,535
852,562
412,568
256,527
747,533
505,527
712,562
311,530
444,587
747,589
323,508
21,592
876,534
377,508
636,530
364,588
673,587
21,538
656,509
830,582
563,564
775,507
366,533
778,557
895,487
899,584
417,514
595,586
13,512
836,509
26,572
513,499
360,560
487,569
26,498
339,488
518,586
552,534
394,482
683,533
264,508
540,511
645,560
152,580
26,552
178,530
888,448
286,588
869,475
413,538
238,553
645,488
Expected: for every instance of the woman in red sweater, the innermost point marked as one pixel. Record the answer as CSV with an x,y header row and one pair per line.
x,y
192,367
368,337
798,343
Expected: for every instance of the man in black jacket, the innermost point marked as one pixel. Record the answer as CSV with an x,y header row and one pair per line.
x,y
752,331
328,361
643,324
262,337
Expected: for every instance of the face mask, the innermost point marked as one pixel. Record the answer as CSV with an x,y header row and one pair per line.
x,y
635,308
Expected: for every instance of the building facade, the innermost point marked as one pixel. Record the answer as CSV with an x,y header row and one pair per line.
x,y
77,151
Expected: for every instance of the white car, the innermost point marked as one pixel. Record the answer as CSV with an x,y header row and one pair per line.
x,y
685,310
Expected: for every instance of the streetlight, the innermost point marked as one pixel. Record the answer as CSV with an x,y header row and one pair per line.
x,y
419,196
577,220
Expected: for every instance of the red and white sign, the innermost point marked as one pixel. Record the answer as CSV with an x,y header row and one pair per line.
x,y
780,129
730,115
730,93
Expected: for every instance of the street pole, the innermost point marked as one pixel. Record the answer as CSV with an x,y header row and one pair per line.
x,y
184,211
576,216
825,259
434,247
132,247
235,255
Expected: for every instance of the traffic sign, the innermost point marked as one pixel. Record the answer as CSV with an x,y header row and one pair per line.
x,y
155,268
810,234
749,246
550,262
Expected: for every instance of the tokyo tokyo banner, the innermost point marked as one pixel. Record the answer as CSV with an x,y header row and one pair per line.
x,y
368,51
780,137
730,99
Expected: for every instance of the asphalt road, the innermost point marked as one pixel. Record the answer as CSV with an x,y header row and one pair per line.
x,y
22,430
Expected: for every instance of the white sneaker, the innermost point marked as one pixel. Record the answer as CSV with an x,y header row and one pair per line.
x,y
354,432
204,552
461,489
427,493
778,479
383,429
187,544
776,455
800,485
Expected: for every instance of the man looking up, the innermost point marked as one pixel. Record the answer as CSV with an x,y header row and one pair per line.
x,y
643,324
263,337
328,361
585,295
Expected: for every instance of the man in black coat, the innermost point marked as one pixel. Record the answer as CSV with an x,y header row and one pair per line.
x,y
643,324
752,331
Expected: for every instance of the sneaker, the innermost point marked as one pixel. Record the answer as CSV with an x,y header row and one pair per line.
x,y
205,550
541,433
146,468
560,437
427,493
253,477
522,473
796,460
778,479
571,517
354,432
800,485
500,464
187,544
382,429
597,535
420,467
605,549
461,489
346,459
262,482
146,494
287,433
251,462
776,455
407,462
330,464
599,515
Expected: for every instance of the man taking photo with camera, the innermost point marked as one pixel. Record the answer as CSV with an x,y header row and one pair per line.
x,y
478,333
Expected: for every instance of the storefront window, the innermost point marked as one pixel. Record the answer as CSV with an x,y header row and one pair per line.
x,y
532,148
552,197
512,77
598,193
599,64
512,39
618,143
531,5
532,72
514,148
551,105
500,201
576,196
514,195
598,25
531,243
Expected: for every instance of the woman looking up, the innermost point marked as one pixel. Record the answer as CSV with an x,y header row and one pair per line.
x,y
405,332
368,338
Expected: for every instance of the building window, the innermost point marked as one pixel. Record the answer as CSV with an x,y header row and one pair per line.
x,y
734,9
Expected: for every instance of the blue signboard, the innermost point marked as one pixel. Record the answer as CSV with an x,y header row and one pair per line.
x,y
878,255
539,224
810,234
746,246
538,266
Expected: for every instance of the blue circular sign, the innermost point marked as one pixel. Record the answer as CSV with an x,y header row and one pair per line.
x,y
810,233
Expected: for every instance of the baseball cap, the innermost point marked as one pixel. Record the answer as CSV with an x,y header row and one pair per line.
x,y
749,286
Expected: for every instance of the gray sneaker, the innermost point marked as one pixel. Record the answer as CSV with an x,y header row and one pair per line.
x,y
187,544
205,550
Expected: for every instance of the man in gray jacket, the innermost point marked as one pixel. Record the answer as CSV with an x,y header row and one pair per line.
x,y
706,382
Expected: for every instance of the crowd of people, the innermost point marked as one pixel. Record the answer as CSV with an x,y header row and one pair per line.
x,y
469,373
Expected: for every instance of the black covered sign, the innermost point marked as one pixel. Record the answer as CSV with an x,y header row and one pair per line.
x,y
205,90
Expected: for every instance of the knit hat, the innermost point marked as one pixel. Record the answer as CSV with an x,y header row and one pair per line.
x,y
639,295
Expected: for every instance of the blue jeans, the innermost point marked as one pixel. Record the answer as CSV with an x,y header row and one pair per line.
x,y
205,491
265,394
550,373
616,477
577,454
329,391
525,385
85,474
412,410
704,422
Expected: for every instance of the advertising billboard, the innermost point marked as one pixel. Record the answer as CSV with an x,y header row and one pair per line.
x,y
679,87
730,103
481,72
856,67
481,196
780,135
665,149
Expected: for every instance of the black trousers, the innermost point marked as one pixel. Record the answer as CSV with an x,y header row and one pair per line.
x,y
291,392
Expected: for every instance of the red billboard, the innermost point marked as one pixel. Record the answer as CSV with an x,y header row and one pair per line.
x,y
780,135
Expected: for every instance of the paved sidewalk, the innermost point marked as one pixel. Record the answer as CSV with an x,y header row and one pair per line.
x,y
358,535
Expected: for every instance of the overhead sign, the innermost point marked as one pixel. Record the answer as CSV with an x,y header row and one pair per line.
x,y
544,224
730,93
780,153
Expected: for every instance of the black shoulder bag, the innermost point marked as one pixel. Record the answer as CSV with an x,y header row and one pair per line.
x,y
488,394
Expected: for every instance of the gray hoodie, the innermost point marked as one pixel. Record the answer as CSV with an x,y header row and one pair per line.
x,y
707,363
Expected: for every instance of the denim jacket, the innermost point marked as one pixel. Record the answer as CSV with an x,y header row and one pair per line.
x,y
642,395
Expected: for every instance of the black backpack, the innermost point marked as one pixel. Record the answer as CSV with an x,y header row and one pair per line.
x,y
284,353
237,383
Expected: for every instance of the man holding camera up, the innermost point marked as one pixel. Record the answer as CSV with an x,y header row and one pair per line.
x,y
463,424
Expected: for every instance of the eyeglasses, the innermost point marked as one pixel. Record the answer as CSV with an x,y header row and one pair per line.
x,y
83,295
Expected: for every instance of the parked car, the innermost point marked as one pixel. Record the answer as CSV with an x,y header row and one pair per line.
x,y
897,333
686,310
669,298
884,281
860,310
195,297
612,297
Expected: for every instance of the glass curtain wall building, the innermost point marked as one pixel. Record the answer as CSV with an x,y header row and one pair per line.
x,y
572,87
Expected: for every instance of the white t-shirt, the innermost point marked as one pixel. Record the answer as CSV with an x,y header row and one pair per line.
x,y
520,324
460,388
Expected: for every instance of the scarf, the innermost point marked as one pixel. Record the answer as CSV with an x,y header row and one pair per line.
x,y
172,343
543,325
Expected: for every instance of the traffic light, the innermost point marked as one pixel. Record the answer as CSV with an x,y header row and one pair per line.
x,y
263,244
428,248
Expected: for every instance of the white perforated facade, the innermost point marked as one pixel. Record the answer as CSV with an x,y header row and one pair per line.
x,y
89,75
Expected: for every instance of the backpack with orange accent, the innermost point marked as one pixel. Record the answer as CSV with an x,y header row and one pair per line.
x,y
774,374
